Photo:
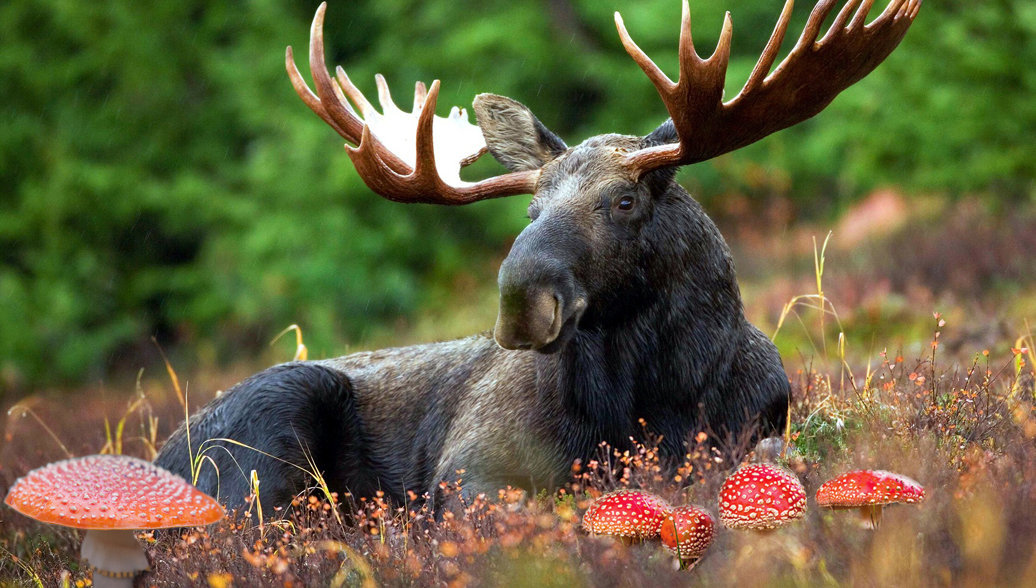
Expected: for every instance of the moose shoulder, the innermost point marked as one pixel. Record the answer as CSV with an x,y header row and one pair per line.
x,y
618,302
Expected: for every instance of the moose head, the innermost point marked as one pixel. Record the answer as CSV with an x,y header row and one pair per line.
x,y
596,206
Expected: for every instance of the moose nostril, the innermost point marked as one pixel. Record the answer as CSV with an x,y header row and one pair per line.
x,y
559,305
529,318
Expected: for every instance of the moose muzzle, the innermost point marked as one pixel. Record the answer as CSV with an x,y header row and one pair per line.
x,y
540,301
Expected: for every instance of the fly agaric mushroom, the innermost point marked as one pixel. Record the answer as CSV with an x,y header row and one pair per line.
x,y
687,532
868,490
632,514
761,497
111,496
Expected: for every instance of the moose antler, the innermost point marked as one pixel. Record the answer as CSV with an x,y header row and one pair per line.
x,y
395,153
802,85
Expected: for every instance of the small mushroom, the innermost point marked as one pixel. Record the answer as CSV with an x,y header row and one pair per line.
x,y
868,491
688,532
760,497
631,514
111,496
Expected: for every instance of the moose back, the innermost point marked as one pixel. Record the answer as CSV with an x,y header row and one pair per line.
x,y
618,302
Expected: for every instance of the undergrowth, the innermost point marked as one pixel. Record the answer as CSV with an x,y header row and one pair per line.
x,y
963,423
967,433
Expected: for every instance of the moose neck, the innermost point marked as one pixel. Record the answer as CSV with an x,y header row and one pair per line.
x,y
659,348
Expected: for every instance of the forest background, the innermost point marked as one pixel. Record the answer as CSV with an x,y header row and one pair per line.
x,y
160,179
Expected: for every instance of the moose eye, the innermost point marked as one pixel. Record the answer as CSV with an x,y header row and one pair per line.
x,y
625,203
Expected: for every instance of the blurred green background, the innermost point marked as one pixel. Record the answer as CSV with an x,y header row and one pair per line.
x,y
159,177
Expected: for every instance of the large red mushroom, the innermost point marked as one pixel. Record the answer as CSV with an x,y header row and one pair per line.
x,y
111,496
688,531
631,514
869,491
761,497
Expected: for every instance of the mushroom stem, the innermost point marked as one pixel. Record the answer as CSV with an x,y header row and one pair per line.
x,y
115,556
688,564
102,581
870,516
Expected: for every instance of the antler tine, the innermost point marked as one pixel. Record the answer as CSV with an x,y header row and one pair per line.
x,y
425,155
687,53
806,81
340,97
349,89
720,58
701,81
859,16
898,10
657,77
307,95
420,94
769,55
324,85
811,31
385,96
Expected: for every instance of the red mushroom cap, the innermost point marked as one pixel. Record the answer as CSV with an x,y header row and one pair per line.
x,y
626,513
111,492
688,532
761,496
868,487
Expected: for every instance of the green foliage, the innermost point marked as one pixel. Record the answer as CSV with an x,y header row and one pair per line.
x,y
950,111
160,178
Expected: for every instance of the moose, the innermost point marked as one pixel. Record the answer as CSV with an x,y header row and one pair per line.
x,y
619,303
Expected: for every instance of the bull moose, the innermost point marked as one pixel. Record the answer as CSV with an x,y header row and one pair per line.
x,y
618,301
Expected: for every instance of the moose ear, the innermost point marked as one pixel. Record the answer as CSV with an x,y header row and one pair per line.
x,y
663,135
515,137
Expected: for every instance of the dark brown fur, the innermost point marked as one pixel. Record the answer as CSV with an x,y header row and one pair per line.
x,y
609,315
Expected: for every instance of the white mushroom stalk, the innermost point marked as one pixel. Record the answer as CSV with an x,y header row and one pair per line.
x,y
115,557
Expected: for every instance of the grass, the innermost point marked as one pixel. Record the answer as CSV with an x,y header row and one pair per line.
x,y
950,408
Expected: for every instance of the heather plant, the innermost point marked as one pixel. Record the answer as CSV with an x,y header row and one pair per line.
x,y
966,431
